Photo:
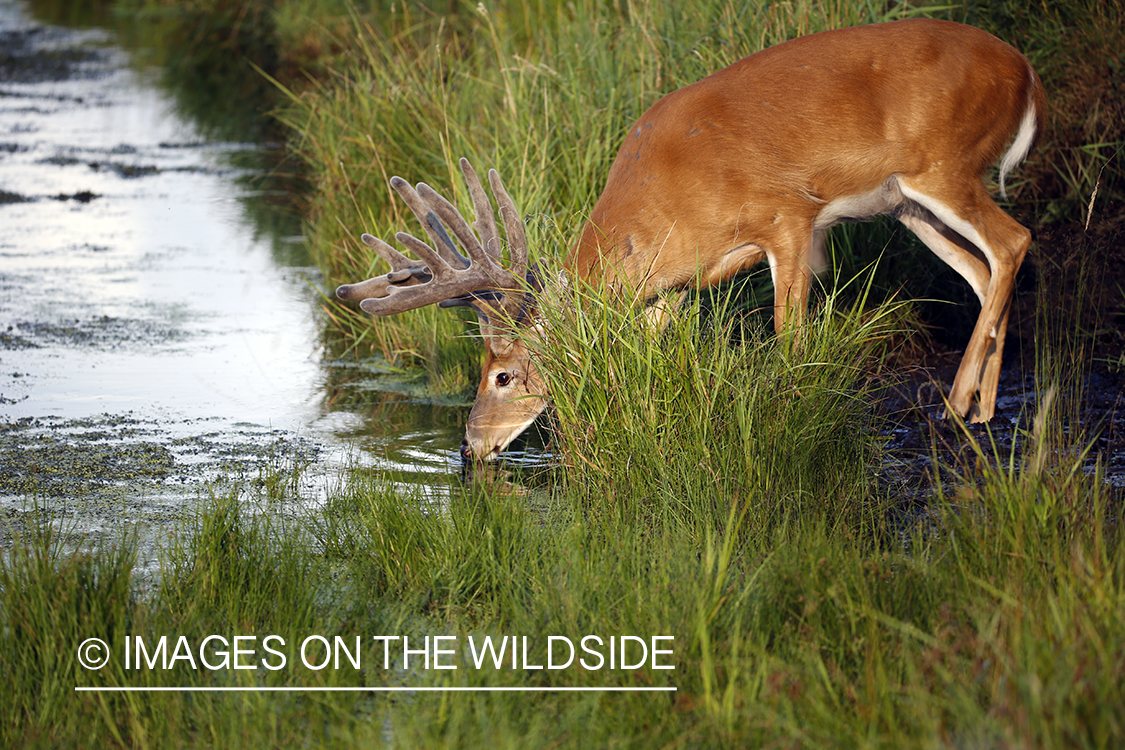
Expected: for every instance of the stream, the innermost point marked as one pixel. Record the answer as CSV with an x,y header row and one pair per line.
x,y
157,341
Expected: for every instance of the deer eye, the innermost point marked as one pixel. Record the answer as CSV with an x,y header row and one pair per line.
x,y
502,379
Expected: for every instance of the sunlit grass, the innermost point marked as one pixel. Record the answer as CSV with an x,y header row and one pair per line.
x,y
801,612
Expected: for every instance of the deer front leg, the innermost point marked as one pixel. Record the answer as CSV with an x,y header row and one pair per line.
x,y
659,313
791,273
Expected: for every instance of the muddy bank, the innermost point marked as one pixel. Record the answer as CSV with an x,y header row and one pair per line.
x,y
923,450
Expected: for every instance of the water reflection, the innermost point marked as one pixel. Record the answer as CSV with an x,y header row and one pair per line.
x,y
130,282
155,300
210,78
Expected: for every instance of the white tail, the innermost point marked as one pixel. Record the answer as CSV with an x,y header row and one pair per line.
x,y
756,162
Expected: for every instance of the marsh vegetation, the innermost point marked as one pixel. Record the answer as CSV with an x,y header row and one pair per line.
x,y
716,483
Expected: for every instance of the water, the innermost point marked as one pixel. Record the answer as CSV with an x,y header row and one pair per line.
x,y
146,319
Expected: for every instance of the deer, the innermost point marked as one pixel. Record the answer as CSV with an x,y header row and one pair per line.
x,y
755,163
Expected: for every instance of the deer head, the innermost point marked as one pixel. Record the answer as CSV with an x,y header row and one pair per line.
x,y
511,393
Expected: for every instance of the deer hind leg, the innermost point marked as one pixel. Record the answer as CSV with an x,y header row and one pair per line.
x,y
968,231
990,379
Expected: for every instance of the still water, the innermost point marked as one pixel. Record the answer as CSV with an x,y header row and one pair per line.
x,y
146,312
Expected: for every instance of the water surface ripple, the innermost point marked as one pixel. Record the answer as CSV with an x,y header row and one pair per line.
x,y
146,327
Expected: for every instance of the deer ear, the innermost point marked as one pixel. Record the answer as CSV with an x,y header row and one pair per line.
x,y
467,300
499,345
482,302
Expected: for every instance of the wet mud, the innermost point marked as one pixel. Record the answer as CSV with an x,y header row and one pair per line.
x,y
926,454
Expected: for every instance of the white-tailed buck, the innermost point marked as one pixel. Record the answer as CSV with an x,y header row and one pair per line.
x,y
752,163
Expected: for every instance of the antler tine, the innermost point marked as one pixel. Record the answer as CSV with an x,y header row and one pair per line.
x,y
517,239
436,232
482,260
404,272
396,260
485,223
452,218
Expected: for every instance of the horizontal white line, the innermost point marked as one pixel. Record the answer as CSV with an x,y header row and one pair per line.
x,y
283,689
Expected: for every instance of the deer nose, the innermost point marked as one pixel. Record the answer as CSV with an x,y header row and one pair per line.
x,y
468,454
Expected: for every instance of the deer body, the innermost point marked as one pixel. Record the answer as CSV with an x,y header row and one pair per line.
x,y
756,161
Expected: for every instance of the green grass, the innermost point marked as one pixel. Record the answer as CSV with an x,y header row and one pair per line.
x,y
804,612
715,404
